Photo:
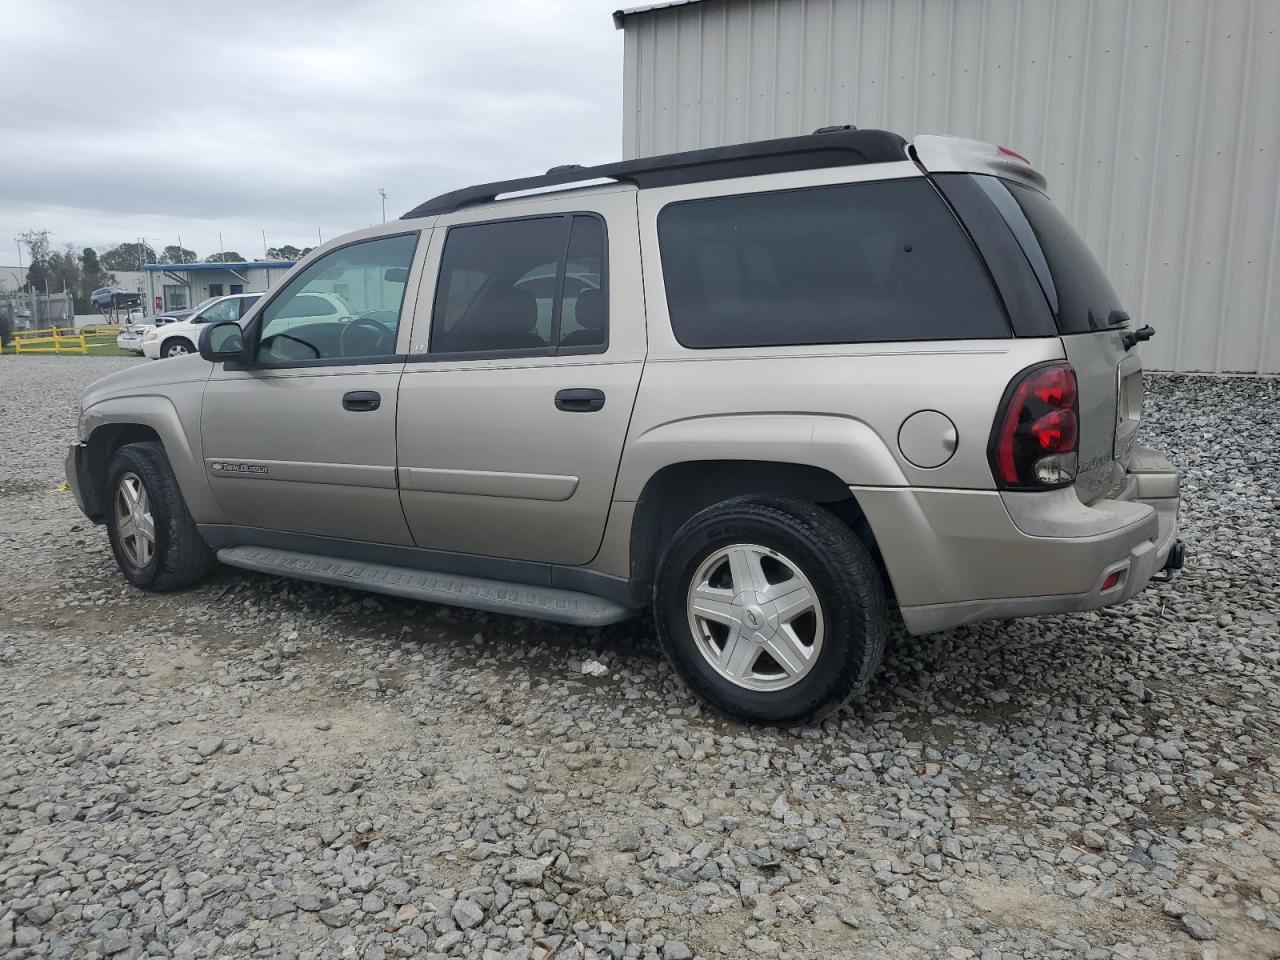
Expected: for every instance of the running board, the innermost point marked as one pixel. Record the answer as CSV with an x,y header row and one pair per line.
x,y
496,596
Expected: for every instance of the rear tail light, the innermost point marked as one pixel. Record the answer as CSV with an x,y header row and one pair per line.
x,y
1035,441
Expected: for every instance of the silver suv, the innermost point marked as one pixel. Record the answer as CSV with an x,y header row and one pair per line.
x,y
783,392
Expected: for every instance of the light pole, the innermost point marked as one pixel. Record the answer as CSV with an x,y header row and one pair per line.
x,y
22,283
142,247
382,192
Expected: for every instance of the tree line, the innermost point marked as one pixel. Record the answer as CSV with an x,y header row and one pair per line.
x,y
81,270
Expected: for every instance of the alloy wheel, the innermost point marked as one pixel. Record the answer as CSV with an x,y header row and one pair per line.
x,y
755,617
135,525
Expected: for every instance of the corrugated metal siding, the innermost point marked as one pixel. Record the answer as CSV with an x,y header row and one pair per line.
x,y
1154,120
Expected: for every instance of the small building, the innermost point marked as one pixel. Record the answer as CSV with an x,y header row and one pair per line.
x,y
1155,123
180,286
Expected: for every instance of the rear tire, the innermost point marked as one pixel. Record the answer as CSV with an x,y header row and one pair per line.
x,y
154,539
771,609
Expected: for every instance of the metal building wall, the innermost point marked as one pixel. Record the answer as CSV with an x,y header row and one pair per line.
x,y
1157,123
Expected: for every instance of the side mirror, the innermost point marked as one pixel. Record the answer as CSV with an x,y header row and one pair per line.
x,y
222,341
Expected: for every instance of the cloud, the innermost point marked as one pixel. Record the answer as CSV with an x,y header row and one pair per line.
x,y
128,120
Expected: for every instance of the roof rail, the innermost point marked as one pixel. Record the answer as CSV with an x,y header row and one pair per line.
x,y
835,149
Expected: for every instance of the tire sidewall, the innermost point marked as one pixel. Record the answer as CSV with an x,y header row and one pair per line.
x,y
132,461
844,625
170,344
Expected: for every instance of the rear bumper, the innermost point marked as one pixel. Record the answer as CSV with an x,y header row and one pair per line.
x,y
956,557
132,342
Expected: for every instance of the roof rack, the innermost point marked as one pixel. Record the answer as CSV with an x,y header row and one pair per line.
x,y
837,148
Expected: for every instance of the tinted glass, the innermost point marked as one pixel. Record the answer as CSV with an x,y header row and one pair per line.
x,y
346,304
246,304
513,286
585,309
1083,294
852,263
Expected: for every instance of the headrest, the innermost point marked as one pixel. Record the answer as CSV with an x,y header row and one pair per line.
x,y
590,310
508,310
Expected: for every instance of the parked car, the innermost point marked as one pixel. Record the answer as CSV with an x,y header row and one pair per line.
x,y
133,332
170,337
107,298
796,391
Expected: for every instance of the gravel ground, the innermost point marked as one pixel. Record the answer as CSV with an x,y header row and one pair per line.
x,y
266,768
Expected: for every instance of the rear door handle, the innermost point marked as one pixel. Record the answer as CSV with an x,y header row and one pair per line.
x,y
580,400
361,401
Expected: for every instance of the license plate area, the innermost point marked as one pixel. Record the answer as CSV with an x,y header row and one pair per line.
x,y
1129,395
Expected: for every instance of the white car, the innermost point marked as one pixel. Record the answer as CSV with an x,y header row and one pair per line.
x,y
135,330
180,338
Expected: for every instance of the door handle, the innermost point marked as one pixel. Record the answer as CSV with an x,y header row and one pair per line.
x,y
361,401
580,400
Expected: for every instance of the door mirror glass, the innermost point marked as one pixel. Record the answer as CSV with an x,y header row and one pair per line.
x,y
222,341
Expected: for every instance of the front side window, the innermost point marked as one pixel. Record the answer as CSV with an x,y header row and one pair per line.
x,y
222,310
311,320
530,286
850,263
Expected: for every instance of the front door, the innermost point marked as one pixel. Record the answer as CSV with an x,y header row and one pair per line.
x,y
514,407
303,439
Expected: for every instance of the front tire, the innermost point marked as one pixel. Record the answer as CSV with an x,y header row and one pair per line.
x,y
154,539
771,609
177,347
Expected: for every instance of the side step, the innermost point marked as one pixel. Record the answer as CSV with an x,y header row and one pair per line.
x,y
496,596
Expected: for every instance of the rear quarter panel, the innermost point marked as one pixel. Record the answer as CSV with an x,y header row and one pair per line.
x,y
838,406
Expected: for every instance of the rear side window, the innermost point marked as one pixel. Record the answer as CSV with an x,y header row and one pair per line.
x,y
529,286
852,263
1077,285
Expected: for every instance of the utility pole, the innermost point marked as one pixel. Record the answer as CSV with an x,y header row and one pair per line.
x,y
264,246
22,282
222,250
382,192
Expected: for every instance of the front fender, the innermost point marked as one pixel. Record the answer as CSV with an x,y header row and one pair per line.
x,y
176,420
843,446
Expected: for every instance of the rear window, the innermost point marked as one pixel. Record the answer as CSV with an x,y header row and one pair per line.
x,y
851,263
1083,295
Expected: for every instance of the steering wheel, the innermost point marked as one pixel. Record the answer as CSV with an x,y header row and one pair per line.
x,y
382,339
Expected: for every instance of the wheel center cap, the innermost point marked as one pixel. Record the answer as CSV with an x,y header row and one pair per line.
x,y
753,616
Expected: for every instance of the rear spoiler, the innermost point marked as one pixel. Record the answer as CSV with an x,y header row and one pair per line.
x,y
958,155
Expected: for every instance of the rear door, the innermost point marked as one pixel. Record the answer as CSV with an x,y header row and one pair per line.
x,y
1092,324
516,399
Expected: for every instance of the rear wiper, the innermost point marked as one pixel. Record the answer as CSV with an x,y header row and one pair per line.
x,y
1131,340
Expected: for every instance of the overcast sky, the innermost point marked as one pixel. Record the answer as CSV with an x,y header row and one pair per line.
x,y
153,119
